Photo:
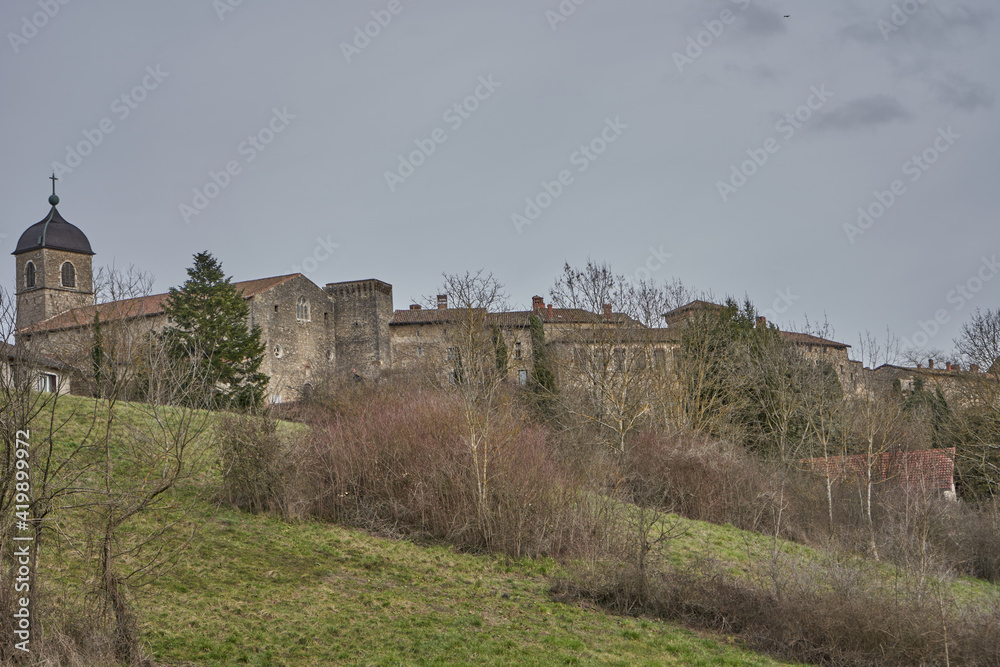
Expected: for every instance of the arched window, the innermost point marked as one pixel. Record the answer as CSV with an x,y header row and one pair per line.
x,y
68,275
29,275
302,309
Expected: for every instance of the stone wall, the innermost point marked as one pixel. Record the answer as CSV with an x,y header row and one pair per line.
x,y
48,297
300,351
362,312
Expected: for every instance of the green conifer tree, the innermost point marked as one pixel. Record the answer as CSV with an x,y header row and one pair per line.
x,y
210,332
502,356
543,379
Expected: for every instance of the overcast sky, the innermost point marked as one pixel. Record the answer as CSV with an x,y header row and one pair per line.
x,y
727,143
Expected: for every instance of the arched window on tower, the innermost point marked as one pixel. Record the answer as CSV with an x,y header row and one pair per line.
x,y
302,309
68,275
29,275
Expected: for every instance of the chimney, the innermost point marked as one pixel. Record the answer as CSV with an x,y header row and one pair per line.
x,y
415,306
607,311
930,363
537,303
761,322
550,311
442,301
948,365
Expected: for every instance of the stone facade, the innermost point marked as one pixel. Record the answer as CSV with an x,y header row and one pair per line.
x,y
296,319
362,310
420,339
295,316
341,331
49,296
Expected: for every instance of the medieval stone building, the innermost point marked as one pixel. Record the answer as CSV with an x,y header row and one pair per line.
x,y
309,331
341,330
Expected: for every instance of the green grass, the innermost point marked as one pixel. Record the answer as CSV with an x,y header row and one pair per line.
x,y
255,590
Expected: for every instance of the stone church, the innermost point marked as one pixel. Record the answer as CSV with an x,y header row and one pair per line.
x,y
310,331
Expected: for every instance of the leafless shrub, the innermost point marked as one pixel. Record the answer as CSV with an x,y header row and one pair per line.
x,y
252,459
832,614
707,480
398,463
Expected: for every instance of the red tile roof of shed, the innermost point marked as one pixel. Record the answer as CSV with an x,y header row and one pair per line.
x,y
931,468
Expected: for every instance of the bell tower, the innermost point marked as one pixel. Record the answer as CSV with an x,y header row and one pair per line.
x,y
54,268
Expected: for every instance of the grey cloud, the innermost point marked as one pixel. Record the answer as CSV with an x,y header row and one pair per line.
x,y
964,16
963,94
758,72
864,112
760,21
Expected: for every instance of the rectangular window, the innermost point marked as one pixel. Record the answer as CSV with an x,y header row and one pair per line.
x,y
522,377
46,383
275,398
619,360
452,353
420,351
640,360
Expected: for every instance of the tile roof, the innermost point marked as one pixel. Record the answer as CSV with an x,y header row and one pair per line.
x,y
809,339
696,305
144,306
931,468
790,336
517,318
11,352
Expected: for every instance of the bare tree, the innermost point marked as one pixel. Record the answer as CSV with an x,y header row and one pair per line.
x,y
474,376
614,362
37,477
876,418
976,426
116,490
979,341
142,452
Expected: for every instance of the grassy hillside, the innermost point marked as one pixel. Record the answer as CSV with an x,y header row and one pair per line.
x,y
259,591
